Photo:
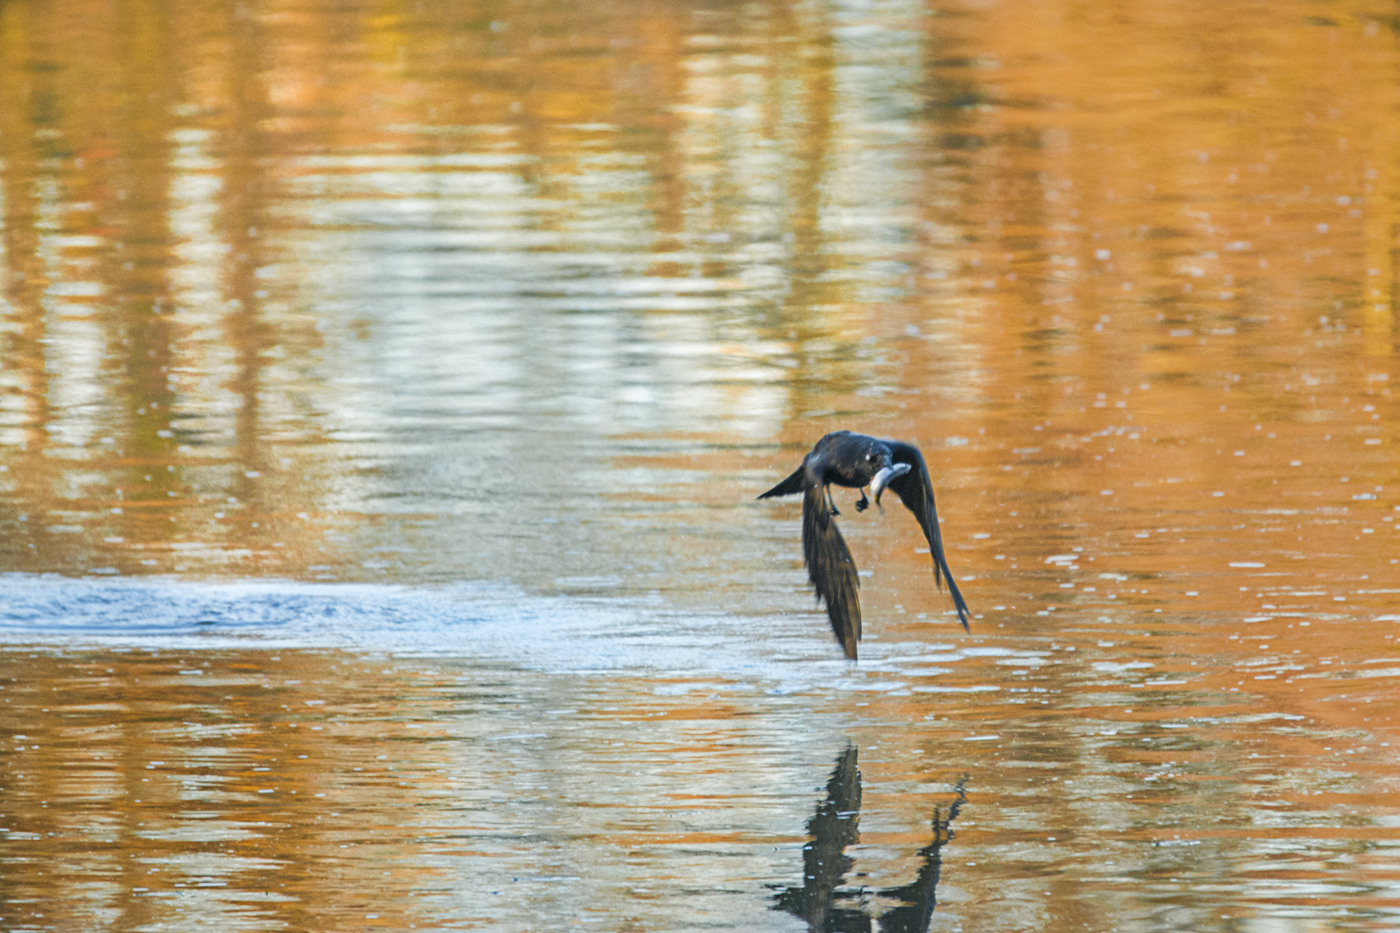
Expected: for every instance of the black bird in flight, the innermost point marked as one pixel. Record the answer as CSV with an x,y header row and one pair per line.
x,y
857,461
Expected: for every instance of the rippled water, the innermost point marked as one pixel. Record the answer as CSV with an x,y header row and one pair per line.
x,y
384,392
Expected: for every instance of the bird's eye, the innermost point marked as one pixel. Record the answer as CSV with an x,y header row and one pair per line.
x,y
869,457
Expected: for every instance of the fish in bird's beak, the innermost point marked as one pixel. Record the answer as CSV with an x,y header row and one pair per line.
x,y
882,479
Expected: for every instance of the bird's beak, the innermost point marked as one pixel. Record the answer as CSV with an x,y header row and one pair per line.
x,y
882,479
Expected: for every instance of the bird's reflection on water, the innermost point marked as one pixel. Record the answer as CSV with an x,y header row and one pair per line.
x,y
836,825
918,898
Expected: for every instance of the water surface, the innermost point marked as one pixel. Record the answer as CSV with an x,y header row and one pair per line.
x,y
384,393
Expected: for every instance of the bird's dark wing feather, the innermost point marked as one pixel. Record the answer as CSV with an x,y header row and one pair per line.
x,y
830,567
915,489
790,486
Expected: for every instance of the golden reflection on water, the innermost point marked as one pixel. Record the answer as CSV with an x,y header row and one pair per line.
x,y
316,790
547,294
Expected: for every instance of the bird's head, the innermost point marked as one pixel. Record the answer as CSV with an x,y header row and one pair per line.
x,y
878,462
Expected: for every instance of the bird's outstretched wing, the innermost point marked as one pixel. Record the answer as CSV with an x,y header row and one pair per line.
x,y
915,489
830,567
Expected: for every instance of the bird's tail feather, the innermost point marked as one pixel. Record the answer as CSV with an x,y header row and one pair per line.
x,y
788,487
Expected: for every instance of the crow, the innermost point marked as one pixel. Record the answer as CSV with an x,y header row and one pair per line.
x,y
857,461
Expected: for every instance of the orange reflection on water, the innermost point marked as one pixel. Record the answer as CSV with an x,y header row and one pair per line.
x,y
547,295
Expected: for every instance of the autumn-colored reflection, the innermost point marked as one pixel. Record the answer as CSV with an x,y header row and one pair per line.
x,y
265,790
245,284
531,300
